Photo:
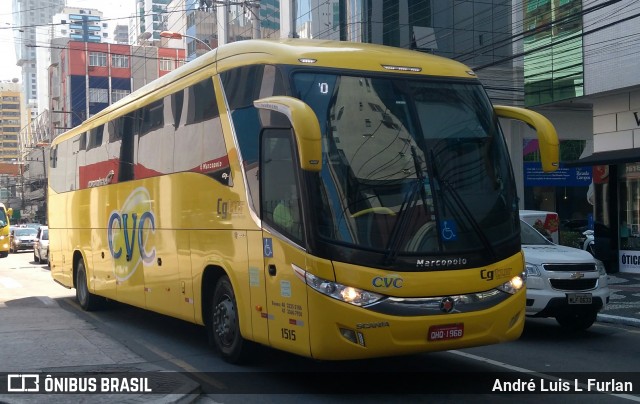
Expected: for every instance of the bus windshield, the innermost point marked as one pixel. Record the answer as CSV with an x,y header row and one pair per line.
x,y
410,165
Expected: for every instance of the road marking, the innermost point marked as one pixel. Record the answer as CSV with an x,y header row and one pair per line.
x,y
47,300
534,373
187,367
10,283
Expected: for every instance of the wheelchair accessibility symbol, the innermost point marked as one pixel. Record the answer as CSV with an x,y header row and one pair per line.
x,y
448,230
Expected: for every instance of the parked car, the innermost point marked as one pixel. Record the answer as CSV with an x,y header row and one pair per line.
x,y
41,246
22,238
566,283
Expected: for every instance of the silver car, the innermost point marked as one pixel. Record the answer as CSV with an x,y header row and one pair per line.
x,y
41,245
21,238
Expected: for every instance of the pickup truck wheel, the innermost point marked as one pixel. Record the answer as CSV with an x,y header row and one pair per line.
x,y
577,321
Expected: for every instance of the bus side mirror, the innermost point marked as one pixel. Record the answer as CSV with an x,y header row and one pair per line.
x,y
305,128
546,133
10,212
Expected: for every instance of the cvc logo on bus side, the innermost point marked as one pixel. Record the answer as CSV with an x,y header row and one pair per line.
x,y
128,232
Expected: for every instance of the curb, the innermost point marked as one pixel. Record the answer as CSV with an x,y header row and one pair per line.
x,y
607,318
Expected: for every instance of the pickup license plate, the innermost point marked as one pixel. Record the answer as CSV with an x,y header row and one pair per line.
x,y
446,331
579,298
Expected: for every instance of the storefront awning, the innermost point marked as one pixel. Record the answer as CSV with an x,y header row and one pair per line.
x,y
606,158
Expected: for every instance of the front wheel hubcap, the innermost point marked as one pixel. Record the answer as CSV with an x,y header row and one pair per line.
x,y
224,320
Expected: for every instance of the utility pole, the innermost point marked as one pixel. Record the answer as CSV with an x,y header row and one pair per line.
x,y
223,22
255,19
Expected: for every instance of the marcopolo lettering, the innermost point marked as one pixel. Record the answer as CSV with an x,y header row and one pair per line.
x,y
425,263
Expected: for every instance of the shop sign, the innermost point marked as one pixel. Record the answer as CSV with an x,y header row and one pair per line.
x,y
562,177
629,261
628,120
632,170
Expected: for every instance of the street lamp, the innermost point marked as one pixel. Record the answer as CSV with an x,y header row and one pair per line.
x,y
177,35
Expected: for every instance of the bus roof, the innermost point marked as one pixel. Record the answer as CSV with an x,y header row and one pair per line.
x,y
288,51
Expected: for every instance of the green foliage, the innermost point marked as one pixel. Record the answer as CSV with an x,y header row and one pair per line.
x,y
571,238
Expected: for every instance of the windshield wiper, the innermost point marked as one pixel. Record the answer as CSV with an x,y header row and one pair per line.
x,y
455,196
409,202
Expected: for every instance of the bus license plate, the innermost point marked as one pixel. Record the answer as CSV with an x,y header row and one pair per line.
x,y
445,332
579,298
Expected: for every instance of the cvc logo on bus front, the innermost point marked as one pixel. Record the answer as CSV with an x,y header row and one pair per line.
x,y
128,232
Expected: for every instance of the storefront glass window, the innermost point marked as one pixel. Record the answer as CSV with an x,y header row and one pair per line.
x,y
629,217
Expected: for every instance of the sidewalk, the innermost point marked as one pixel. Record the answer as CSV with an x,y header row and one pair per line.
x,y
624,304
37,335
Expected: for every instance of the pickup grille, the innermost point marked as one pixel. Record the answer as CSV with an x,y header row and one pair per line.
x,y
574,284
569,267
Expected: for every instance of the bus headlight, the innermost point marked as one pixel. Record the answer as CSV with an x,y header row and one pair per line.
x,y
347,294
515,284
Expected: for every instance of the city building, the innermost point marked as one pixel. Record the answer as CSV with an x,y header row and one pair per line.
x,y
10,121
27,16
190,19
81,24
121,34
609,86
87,77
149,20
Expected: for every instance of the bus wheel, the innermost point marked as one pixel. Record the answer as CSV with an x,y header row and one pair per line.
x,y
87,300
224,325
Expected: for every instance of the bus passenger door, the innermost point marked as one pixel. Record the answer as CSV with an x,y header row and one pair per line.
x,y
282,241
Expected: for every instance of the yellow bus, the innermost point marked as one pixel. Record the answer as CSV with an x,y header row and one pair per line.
x,y
5,227
334,200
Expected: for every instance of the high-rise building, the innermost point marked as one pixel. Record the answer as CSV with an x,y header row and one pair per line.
x,y
121,34
9,121
27,16
81,24
150,19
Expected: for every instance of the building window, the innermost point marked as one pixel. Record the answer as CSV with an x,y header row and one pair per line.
x,y
180,62
98,95
97,59
166,64
117,95
120,61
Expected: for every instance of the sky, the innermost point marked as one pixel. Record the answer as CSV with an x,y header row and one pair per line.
x,y
8,68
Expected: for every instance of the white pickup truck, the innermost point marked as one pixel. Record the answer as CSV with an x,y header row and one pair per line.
x,y
562,282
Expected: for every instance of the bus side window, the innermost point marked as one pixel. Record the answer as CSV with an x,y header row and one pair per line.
x,y
156,139
177,100
199,144
56,167
280,196
242,86
127,148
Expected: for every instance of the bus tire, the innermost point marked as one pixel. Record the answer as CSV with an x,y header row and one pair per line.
x,y
87,300
224,326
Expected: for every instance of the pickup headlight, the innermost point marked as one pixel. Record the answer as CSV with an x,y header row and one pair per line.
x,y
531,270
602,271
